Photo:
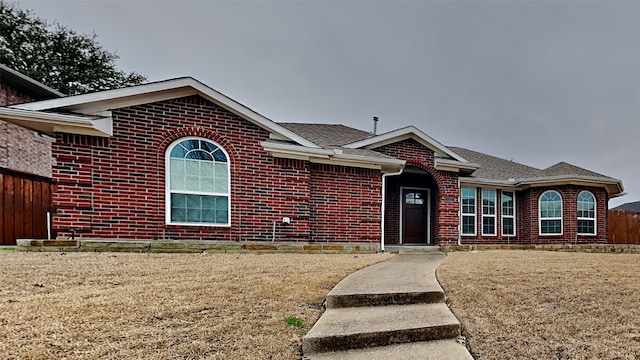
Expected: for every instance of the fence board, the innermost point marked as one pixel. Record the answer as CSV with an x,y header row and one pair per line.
x,y
24,202
624,227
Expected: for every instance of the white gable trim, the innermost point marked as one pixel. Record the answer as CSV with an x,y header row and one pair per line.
x,y
409,132
99,102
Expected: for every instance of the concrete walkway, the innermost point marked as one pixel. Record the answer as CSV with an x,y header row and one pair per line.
x,y
391,310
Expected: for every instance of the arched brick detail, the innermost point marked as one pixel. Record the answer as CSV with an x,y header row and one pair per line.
x,y
445,214
175,134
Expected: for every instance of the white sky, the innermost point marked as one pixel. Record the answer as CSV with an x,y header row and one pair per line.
x,y
536,82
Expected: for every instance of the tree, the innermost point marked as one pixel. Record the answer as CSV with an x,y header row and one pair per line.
x,y
57,56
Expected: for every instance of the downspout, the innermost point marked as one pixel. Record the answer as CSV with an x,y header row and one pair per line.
x,y
384,185
459,215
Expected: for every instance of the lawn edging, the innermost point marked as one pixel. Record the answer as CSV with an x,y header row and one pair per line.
x,y
190,246
589,248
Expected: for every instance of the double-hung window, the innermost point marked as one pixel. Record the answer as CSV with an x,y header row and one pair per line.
x,y
508,213
198,183
488,212
468,204
550,213
586,213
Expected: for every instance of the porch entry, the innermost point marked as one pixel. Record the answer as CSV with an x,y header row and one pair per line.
x,y
415,215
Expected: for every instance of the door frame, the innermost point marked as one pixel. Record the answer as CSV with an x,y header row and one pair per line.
x,y
402,200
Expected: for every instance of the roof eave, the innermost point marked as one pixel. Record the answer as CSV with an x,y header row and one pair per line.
x,y
332,157
45,122
96,103
455,166
614,187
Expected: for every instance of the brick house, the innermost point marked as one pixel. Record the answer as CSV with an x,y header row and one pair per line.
x,y
25,163
178,160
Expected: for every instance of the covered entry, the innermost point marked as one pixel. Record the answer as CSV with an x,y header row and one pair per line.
x,y
410,206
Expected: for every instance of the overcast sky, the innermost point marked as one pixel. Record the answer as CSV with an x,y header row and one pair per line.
x,y
536,82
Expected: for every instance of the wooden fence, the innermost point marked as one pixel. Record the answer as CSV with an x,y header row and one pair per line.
x,y
24,203
624,227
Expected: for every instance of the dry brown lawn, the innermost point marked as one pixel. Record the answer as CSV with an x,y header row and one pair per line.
x,y
162,306
546,305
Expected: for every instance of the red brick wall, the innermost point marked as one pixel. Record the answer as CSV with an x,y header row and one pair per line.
x,y
345,204
445,193
22,149
527,224
115,188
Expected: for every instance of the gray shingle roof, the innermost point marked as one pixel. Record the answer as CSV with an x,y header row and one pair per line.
x,y
563,168
630,206
494,168
327,135
331,136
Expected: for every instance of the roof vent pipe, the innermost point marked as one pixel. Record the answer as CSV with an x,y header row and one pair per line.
x,y
375,125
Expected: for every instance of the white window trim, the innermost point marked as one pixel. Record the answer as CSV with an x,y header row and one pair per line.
x,y
554,218
515,229
463,214
495,224
167,196
595,213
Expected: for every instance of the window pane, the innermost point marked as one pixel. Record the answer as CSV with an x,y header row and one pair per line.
x,y
219,156
507,203
550,227
488,202
507,226
468,225
586,227
489,225
468,201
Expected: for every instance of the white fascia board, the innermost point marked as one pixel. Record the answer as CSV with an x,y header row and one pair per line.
x,y
53,122
454,165
614,187
98,102
325,156
402,134
488,183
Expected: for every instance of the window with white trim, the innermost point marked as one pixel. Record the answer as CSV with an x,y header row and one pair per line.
x,y
550,213
198,183
586,213
468,204
508,213
488,212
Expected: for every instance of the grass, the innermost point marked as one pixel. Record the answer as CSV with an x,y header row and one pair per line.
x,y
545,305
163,306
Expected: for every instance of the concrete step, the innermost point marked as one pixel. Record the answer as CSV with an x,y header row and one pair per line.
x,y
405,279
447,349
362,327
412,249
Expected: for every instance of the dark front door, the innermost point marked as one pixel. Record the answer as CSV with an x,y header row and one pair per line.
x,y
415,216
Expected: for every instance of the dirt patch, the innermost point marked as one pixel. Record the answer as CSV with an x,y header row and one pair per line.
x,y
545,305
163,306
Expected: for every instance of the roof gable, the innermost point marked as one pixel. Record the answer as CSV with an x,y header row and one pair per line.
x,y
409,132
100,103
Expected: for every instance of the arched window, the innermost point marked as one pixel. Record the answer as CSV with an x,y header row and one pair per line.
x,y
550,213
198,183
586,213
